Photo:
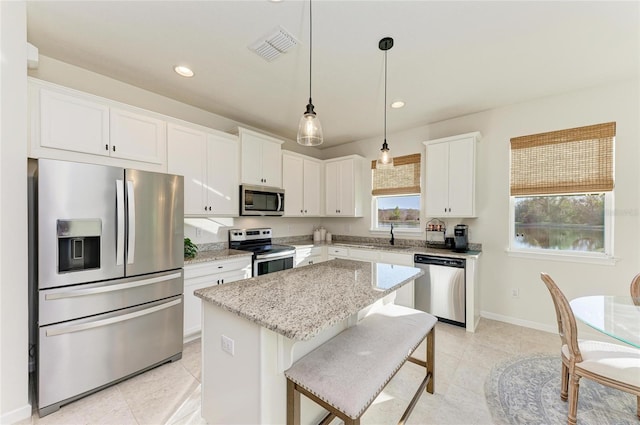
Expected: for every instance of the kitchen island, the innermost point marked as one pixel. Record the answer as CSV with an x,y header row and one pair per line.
x,y
254,329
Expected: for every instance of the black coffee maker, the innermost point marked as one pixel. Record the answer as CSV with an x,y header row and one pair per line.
x,y
461,238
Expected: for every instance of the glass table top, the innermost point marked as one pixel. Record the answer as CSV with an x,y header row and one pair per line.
x,y
616,316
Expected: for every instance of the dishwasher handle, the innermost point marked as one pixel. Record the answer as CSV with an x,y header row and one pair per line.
x,y
439,261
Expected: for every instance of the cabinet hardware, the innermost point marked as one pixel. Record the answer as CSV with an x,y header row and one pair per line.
x,y
106,147
114,148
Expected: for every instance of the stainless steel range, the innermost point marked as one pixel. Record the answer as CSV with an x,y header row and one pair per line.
x,y
267,257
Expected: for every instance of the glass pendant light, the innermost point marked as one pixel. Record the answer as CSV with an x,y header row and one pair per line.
x,y
385,160
309,129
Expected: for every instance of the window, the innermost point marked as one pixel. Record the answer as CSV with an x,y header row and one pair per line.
x,y
561,187
395,194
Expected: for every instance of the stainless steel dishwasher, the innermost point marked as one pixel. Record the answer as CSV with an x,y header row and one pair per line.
x,y
441,290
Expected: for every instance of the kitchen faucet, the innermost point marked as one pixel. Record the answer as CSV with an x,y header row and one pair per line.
x,y
392,241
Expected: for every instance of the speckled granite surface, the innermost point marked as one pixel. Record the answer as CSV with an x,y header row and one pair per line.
x,y
402,249
299,303
217,254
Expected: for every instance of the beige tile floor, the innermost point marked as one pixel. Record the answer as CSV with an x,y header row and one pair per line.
x,y
170,394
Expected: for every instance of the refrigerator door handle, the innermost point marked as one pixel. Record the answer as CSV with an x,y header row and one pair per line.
x,y
110,288
120,222
131,245
105,322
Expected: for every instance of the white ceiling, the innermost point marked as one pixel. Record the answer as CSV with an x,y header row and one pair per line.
x,y
450,58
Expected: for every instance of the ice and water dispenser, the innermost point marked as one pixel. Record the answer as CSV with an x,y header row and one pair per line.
x,y
78,244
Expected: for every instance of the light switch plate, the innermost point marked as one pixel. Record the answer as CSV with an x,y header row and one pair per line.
x,y
227,345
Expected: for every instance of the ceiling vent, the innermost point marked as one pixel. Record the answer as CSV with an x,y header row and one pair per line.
x,y
273,44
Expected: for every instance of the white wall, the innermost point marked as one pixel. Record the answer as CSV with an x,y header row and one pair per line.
x,y
14,372
498,272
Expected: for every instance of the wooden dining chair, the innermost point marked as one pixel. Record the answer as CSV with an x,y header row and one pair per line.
x,y
635,288
613,365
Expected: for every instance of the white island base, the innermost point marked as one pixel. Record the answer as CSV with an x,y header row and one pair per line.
x,y
249,386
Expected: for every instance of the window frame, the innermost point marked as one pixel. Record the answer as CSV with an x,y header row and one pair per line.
x,y
606,257
380,230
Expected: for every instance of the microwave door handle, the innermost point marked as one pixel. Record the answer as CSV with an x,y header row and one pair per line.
x,y
279,202
119,222
131,204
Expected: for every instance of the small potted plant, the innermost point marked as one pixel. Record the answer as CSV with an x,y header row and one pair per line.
x,y
190,249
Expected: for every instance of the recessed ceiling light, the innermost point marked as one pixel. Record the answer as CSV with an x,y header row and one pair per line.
x,y
183,70
397,104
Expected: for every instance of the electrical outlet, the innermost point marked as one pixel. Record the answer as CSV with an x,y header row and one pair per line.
x,y
198,232
227,344
515,293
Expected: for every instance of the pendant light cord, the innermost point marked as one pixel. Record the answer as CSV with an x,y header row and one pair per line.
x,y
385,96
310,47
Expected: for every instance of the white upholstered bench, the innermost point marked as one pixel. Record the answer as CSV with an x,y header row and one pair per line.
x,y
345,374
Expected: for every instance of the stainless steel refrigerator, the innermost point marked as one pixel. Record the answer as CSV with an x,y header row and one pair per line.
x,y
108,273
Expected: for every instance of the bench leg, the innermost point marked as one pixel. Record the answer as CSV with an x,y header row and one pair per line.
x,y
431,348
293,404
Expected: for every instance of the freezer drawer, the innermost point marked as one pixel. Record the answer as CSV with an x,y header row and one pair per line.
x,y
74,302
84,355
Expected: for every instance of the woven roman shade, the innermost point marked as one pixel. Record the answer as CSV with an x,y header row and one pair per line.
x,y
402,179
577,160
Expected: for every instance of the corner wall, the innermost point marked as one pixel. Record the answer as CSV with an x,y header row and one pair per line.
x,y
499,273
14,345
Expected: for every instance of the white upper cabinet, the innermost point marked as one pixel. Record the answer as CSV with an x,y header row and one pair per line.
x,y
71,125
137,137
302,182
74,124
208,161
450,165
343,188
261,159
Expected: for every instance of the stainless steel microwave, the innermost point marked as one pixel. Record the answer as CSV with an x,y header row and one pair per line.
x,y
261,200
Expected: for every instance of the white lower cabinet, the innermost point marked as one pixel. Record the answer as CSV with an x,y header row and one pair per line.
x,y
404,295
337,252
309,255
203,275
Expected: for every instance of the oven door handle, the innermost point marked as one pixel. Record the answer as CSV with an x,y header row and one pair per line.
x,y
275,256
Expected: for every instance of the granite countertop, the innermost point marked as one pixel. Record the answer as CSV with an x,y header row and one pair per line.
x,y
299,303
218,254
403,249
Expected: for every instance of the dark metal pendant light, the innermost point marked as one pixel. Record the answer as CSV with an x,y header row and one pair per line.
x,y
309,129
385,160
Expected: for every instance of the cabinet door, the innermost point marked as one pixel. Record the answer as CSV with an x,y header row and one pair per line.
x,y
74,124
347,200
271,164
312,175
292,179
332,189
222,175
187,156
251,160
437,171
137,137
462,178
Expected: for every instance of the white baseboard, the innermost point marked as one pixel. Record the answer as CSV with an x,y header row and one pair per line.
x,y
583,330
16,415
520,322
191,337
